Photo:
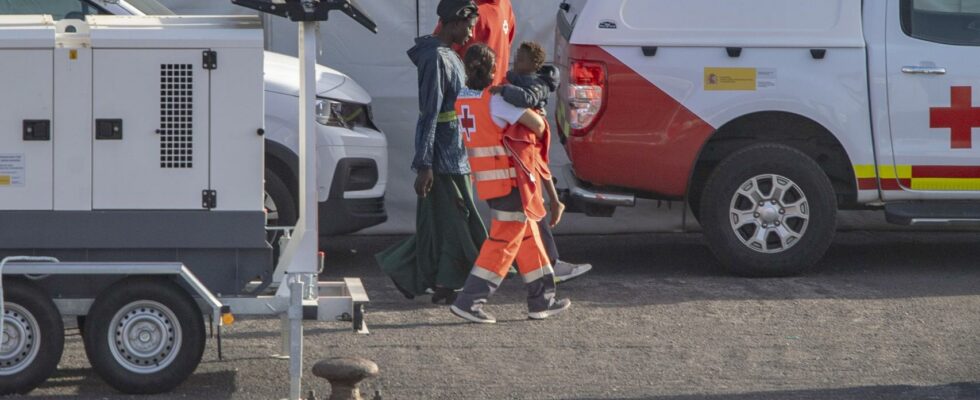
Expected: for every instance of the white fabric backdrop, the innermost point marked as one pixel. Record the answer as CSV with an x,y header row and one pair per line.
x,y
379,64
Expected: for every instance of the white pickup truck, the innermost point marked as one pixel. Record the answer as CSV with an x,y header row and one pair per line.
x,y
352,152
765,117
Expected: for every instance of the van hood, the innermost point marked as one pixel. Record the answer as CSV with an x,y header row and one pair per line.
x,y
282,76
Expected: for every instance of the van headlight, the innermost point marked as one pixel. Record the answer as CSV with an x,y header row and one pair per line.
x,y
342,114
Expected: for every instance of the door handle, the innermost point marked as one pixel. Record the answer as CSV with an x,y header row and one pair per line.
x,y
924,70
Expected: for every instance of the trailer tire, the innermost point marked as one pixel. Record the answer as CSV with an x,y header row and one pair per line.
x,y
28,362
280,206
144,335
756,230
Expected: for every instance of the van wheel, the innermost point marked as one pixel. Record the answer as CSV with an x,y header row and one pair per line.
x,y
144,335
33,337
280,208
768,210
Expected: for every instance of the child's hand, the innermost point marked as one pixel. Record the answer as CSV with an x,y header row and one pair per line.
x,y
557,210
496,89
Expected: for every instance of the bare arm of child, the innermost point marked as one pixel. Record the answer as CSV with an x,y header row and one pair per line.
x,y
557,208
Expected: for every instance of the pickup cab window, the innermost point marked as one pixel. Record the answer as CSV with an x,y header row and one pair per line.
x,y
955,22
59,9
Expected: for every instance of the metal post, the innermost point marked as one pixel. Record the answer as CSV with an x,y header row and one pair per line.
x,y
300,254
295,336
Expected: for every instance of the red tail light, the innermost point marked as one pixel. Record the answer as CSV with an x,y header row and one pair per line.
x,y
586,95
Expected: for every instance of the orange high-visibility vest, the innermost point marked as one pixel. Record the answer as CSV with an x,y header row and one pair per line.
x,y
492,173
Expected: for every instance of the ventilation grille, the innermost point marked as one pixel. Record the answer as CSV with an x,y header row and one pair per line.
x,y
176,116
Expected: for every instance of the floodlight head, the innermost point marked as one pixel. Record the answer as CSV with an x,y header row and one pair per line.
x,y
310,10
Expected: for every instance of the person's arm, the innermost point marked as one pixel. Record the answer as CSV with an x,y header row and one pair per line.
x,y
430,73
530,97
554,202
533,121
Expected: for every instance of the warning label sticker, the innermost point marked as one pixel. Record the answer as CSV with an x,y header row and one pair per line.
x,y
733,79
12,170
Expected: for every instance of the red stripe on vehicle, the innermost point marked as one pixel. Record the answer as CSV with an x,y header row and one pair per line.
x,y
867,183
940,171
895,184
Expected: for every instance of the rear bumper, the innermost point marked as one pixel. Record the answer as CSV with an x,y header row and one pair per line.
x,y
579,197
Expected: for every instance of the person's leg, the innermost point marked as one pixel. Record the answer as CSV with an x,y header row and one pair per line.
x,y
548,239
564,271
496,256
532,261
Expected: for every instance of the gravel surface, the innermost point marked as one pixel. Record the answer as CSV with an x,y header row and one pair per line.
x,y
886,316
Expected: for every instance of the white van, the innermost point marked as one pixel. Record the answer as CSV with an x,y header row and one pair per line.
x,y
767,116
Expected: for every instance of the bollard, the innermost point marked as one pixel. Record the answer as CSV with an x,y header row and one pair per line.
x,y
345,374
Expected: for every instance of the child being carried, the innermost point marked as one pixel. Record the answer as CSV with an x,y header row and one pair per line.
x,y
530,82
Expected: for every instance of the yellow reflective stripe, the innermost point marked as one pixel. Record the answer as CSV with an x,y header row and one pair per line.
x,y
946,184
486,275
538,274
865,171
508,216
895,172
494,175
490,151
448,116
884,171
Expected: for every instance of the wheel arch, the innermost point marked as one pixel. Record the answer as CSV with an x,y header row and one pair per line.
x,y
787,128
284,163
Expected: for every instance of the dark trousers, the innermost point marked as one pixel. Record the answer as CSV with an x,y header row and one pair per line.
x,y
548,239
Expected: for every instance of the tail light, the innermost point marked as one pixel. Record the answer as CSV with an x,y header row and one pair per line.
x,y
586,94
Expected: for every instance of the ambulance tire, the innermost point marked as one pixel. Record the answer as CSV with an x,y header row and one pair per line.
x,y
144,335
718,203
280,199
40,333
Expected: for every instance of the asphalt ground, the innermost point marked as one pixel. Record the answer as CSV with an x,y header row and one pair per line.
x,y
886,316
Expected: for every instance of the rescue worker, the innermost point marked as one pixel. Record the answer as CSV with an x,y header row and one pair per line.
x,y
449,230
497,27
504,143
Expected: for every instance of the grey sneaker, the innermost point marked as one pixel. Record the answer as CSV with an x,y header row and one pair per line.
x,y
476,315
556,307
565,272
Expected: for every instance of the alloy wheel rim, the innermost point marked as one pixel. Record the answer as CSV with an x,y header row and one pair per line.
x,y
769,213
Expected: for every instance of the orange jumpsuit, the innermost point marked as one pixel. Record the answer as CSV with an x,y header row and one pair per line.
x,y
510,183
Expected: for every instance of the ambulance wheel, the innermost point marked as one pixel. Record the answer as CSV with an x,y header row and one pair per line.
x,y
768,210
144,335
33,337
280,208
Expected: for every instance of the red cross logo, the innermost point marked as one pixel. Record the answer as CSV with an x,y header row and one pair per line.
x,y
961,117
467,123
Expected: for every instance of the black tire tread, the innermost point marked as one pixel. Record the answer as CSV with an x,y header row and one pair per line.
x,y
786,161
164,291
37,301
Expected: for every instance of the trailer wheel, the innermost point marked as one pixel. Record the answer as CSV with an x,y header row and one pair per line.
x,y
769,210
144,335
280,208
33,337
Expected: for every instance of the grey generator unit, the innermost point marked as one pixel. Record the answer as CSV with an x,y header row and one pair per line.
x,y
131,161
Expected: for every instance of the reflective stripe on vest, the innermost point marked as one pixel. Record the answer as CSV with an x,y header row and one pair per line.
x,y
448,116
491,151
508,216
495,175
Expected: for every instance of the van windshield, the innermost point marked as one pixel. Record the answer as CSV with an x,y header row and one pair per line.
x,y
150,7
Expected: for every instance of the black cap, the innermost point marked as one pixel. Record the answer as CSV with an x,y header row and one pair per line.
x,y
455,10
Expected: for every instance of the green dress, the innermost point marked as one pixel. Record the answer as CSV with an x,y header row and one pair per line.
x,y
447,240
